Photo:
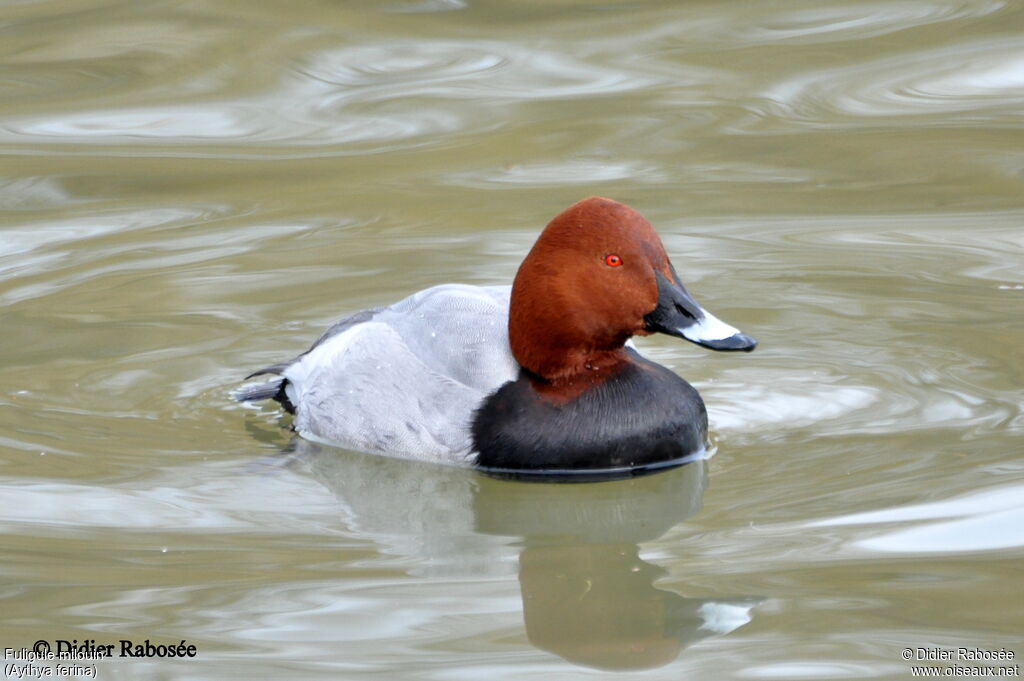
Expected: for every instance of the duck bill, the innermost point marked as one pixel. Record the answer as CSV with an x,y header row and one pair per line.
x,y
678,314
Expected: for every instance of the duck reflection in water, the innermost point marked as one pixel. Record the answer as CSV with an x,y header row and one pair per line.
x,y
587,595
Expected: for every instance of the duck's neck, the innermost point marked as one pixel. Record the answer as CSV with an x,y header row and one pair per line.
x,y
578,365
560,343
564,382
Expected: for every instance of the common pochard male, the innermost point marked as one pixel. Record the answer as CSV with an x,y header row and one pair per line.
x,y
533,380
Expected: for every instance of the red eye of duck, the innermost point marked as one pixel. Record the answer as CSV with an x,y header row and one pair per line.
x,y
612,260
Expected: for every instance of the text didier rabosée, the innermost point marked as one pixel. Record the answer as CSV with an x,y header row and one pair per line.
x,y
961,654
89,648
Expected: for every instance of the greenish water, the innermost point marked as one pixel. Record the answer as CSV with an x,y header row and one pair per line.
x,y
192,190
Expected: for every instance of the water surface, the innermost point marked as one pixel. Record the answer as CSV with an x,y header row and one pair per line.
x,y
190,191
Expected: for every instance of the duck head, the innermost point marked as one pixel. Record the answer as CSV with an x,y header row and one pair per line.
x,y
598,275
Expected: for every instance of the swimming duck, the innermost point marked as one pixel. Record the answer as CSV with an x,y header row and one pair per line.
x,y
536,379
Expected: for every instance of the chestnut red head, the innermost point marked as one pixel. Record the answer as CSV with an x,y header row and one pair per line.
x,y
597,275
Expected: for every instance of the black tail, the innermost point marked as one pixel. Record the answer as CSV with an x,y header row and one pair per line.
x,y
272,390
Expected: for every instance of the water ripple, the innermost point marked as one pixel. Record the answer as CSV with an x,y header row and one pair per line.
x,y
855,21
349,95
577,171
496,69
966,81
988,520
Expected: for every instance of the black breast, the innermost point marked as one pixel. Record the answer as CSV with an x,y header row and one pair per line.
x,y
644,416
